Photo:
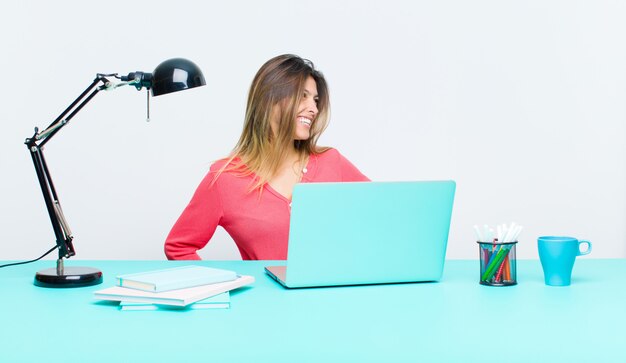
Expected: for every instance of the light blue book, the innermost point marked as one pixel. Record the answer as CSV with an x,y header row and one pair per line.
x,y
175,278
221,301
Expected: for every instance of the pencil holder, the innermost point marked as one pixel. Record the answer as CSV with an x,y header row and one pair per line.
x,y
497,263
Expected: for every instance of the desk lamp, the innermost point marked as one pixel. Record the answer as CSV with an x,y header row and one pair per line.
x,y
170,76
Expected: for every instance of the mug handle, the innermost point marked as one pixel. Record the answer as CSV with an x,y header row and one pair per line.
x,y
587,251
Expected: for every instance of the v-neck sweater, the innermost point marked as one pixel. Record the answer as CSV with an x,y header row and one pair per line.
x,y
257,222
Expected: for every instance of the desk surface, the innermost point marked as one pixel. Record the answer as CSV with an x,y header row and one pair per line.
x,y
455,320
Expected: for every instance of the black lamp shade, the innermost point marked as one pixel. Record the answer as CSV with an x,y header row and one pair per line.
x,y
174,75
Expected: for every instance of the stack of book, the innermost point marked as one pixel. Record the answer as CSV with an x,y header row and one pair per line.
x,y
186,287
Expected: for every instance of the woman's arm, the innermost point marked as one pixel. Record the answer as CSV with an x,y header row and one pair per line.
x,y
196,225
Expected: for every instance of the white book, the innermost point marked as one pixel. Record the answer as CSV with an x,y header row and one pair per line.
x,y
220,301
180,297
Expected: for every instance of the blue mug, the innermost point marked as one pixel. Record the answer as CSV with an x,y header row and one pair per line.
x,y
557,255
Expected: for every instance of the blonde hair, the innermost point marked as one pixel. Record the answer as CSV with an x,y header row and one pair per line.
x,y
275,94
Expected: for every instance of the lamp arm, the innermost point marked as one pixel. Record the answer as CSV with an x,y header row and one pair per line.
x,y
35,145
45,135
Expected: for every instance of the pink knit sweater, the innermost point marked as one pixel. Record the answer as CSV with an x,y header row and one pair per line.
x,y
259,226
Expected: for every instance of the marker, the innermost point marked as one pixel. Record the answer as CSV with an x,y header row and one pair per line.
x,y
478,234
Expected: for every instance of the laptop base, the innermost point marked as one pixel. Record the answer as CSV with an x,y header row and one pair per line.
x,y
278,273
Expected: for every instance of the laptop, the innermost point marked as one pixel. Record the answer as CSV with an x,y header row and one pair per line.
x,y
366,233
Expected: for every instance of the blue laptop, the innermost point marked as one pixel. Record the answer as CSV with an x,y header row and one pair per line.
x,y
366,233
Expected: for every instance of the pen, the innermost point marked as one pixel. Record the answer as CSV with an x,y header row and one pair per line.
x,y
507,268
491,269
499,274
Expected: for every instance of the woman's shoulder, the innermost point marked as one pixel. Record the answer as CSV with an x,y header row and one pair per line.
x,y
329,155
326,152
222,164
229,168
331,165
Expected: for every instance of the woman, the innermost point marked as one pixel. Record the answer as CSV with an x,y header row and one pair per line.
x,y
249,193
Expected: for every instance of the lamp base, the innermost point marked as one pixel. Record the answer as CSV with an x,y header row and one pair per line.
x,y
72,276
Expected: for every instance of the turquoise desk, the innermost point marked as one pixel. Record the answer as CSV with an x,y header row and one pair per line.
x,y
455,320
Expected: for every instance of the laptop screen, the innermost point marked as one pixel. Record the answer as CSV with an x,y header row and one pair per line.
x,y
368,232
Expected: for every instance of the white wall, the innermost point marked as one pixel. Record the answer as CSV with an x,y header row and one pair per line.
x,y
521,102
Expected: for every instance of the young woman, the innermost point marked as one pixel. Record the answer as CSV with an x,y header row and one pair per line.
x,y
249,192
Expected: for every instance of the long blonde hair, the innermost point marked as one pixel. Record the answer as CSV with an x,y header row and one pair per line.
x,y
275,94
